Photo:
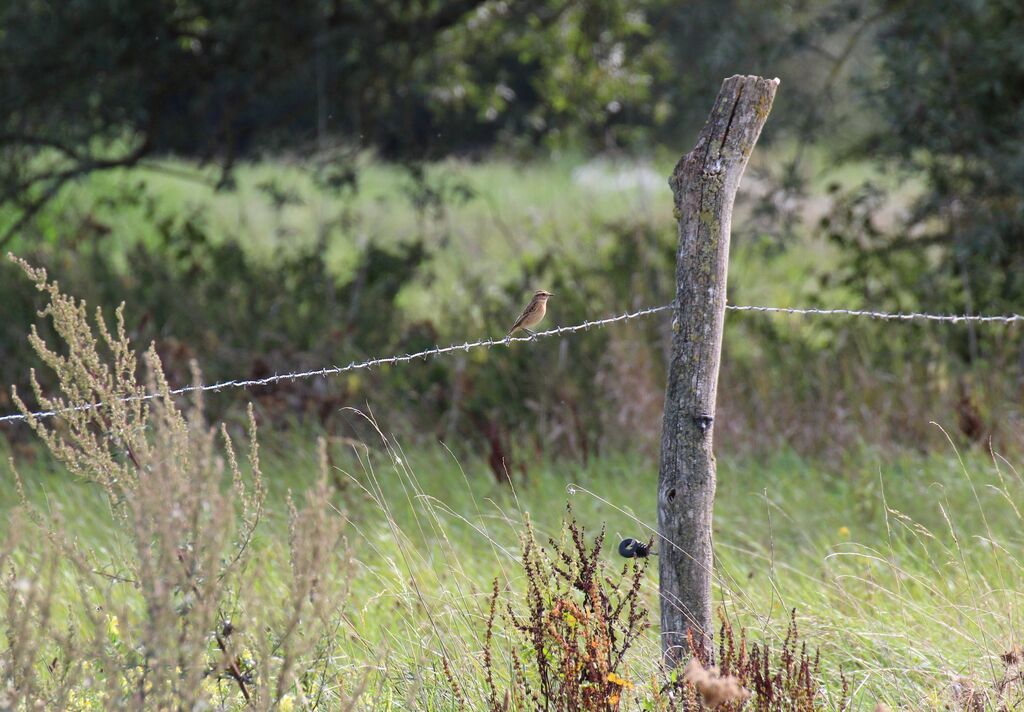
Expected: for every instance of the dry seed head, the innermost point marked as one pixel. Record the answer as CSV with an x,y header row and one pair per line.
x,y
714,689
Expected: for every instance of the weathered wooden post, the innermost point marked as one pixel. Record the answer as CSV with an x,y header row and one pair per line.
x,y
704,185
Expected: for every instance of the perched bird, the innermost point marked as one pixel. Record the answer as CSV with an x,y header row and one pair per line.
x,y
533,313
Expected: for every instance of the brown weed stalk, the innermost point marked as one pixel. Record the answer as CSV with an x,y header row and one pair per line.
x,y
571,631
181,632
751,678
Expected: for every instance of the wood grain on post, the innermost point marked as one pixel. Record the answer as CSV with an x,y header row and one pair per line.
x,y
704,185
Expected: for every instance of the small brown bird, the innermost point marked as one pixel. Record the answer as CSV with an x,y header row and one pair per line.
x,y
533,313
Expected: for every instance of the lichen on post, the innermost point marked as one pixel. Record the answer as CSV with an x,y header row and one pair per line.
x,y
704,185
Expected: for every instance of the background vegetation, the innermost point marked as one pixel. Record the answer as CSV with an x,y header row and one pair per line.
x,y
274,188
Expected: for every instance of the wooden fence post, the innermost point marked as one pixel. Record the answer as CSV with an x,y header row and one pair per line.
x,y
704,185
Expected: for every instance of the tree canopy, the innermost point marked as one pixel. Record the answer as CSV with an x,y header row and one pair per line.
x,y
91,85
95,84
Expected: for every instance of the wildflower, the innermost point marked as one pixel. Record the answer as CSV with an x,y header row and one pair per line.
x,y
211,686
113,629
616,679
287,704
844,532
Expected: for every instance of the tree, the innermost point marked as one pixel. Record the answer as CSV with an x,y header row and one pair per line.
x,y
949,95
101,84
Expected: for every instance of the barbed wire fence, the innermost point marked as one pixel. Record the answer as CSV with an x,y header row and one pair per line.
x,y
507,341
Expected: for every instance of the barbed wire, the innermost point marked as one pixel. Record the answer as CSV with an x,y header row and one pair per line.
x,y
360,365
888,316
507,341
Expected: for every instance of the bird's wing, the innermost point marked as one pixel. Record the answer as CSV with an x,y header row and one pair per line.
x,y
522,317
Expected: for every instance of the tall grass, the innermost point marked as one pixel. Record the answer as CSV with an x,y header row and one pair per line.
x,y
905,574
145,564
163,618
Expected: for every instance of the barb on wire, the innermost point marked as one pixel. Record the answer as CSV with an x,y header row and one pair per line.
x,y
557,331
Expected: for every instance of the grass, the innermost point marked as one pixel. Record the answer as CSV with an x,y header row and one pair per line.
x,y
905,573
486,222
904,569
490,216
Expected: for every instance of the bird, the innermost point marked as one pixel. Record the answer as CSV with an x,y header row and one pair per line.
x,y
532,314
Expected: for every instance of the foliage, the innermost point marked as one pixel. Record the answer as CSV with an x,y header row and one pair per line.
x,y
448,254
97,85
165,618
948,103
286,312
810,45
568,649
94,86
292,310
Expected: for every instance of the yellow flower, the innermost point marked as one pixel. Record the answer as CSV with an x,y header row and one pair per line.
x,y
616,679
113,629
844,532
287,704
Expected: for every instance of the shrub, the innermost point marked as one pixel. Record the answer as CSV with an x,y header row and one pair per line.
x,y
568,647
752,678
166,621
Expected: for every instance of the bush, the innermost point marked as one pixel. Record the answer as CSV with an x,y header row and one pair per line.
x,y
568,643
755,679
167,620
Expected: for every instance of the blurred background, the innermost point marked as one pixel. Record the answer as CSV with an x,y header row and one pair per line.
x,y
281,186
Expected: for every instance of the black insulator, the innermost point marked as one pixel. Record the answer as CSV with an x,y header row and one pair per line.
x,y
631,548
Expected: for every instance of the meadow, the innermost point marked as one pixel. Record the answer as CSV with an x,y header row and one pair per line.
x,y
903,572
896,541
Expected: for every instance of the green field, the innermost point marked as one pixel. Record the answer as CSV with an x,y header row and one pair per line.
x,y
904,572
267,443
485,221
903,568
